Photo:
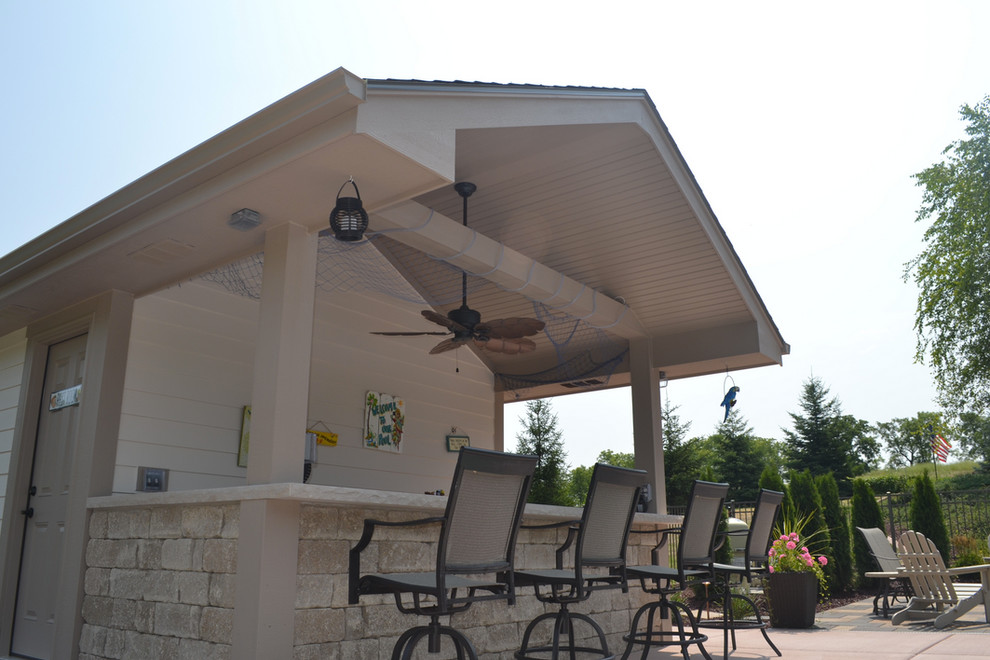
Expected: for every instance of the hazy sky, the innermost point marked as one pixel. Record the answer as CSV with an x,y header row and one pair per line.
x,y
802,122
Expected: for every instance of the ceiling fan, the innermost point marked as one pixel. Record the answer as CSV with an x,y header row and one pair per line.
x,y
509,335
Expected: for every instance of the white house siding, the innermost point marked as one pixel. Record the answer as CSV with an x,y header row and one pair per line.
x,y
189,375
12,347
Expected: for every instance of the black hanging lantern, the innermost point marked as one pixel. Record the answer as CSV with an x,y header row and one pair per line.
x,y
348,219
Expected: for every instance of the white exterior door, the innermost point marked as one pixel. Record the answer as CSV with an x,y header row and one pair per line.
x,y
44,530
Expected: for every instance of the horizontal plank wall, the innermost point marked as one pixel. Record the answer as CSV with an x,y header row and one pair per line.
x,y
12,349
189,375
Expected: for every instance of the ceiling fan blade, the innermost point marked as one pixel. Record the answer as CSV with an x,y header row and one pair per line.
x,y
506,346
440,319
510,328
410,334
448,345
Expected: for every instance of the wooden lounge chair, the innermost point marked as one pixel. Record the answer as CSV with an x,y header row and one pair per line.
x,y
892,581
936,596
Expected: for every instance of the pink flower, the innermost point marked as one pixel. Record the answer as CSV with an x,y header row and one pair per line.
x,y
784,537
791,545
772,552
804,550
771,569
810,561
822,560
794,536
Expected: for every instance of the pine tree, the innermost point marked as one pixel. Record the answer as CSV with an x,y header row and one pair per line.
x,y
681,460
840,554
823,438
925,513
736,462
772,480
808,504
542,438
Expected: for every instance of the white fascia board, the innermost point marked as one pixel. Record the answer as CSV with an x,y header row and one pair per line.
x,y
447,239
657,130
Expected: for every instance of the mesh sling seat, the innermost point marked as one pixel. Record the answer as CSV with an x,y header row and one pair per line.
x,y
936,596
696,546
755,564
599,541
893,583
475,551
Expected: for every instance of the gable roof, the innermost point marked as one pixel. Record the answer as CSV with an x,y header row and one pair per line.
x,y
584,204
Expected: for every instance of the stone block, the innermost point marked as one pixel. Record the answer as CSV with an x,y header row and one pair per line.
x,y
92,639
314,591
220,555
217,625
202,522
191,649
124,614
361,649
149,554
97,611
116,646
315,626
128,523
319,522
128,583
166,522
105,553
340,591
317,652
323,556
231,521
193,587
97,582
381,620
138,646
161,587
222,589
398,557
177,620
179,555
98,524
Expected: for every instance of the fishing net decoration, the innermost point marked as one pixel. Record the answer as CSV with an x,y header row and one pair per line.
x,y
585,355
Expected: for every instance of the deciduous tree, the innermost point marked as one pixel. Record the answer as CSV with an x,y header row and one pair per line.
x,y
952,318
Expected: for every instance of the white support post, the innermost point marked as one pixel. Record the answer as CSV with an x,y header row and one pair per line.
x,y
280,396
647,432
267,547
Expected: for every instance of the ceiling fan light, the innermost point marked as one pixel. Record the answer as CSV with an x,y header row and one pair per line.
x,y
348,219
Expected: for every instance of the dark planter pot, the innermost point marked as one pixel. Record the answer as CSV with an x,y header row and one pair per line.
x,y
792,598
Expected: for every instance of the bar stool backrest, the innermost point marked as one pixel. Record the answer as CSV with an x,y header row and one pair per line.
x,y
484,509
607,517
696,546
761,527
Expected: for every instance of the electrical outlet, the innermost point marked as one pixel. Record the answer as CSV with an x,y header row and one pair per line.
x,y
152,480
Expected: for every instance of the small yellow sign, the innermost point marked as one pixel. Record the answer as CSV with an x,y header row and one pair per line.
x,y
325,438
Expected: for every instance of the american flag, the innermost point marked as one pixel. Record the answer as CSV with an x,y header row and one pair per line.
x,y
940,447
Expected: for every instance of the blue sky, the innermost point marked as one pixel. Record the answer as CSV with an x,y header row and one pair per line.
x,y
802,123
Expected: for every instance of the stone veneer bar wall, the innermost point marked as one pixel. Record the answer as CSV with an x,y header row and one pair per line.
x,y
161,572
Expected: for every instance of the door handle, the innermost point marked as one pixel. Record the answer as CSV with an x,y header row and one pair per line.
x,y
29,512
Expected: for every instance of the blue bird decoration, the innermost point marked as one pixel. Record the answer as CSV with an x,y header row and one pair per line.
x,y
729,401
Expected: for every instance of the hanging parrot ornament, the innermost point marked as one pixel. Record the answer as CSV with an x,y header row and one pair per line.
x,y
729,400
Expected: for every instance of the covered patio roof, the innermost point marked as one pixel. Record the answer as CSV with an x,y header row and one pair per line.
x,y
584,205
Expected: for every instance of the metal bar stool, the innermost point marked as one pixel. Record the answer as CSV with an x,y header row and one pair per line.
x,y
475,552
599,541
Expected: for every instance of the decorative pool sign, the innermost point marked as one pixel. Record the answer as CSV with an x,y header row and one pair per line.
x,y
384,418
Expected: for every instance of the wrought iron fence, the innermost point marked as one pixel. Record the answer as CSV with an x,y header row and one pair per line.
x,y
966,513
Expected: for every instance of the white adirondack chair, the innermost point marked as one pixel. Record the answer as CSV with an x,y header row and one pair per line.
x,y
936,596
